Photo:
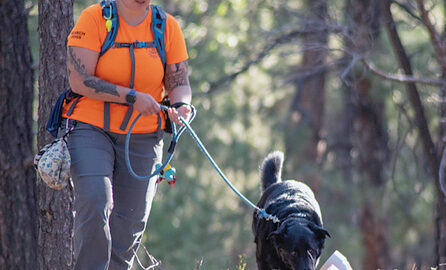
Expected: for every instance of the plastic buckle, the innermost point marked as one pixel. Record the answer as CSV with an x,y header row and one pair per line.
x,y
109,15
139,44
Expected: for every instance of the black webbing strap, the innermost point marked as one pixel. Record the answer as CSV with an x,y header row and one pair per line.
x,y
70,110
132,60
129,112
126,119
127,116
137,44
107,116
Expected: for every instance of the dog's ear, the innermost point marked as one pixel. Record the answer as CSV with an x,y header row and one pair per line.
x,y
278,231
320,232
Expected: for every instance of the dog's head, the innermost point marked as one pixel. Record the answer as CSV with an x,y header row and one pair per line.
x,y
298,243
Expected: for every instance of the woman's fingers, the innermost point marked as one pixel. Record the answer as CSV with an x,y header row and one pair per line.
x,y
146,104
183,111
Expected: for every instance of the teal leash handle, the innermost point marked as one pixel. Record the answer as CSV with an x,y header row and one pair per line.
x,y
260,212
175,136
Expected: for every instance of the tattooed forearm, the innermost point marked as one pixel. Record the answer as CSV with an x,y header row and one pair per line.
x,y
101,86
176,75
76,62
98,85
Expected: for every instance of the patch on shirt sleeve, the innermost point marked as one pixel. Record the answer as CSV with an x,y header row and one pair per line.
x,y
77,34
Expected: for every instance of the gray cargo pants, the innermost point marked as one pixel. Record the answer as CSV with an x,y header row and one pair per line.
x,y
111,207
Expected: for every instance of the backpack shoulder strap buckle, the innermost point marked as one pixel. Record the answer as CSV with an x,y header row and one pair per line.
x,y
111,17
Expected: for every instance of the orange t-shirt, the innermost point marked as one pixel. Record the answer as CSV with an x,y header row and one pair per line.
x,y
115,66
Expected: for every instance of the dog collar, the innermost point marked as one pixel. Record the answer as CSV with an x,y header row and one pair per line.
x,y
304,215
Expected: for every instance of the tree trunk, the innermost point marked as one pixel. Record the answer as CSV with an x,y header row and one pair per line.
x,y
440,206
307,108
18,220
411,89
440,224
364,131
430,152
371,143
55,207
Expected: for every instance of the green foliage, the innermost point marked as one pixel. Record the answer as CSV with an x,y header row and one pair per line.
x,y
242,263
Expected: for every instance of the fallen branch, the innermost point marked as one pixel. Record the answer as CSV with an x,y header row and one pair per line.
x,y
435,38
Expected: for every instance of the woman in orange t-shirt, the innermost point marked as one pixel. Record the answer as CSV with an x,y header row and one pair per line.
x,y
111,207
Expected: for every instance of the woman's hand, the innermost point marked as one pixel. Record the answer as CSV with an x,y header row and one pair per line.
x,y
146,104
183,111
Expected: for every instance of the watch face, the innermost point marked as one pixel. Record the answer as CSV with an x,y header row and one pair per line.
x,y
130,98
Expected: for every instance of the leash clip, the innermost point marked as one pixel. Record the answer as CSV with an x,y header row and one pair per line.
x,y
263,214
168,173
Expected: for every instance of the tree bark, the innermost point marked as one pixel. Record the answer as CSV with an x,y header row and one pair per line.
x,y
363,130
18,219
307,107
440,206
411,89
55,207
372,147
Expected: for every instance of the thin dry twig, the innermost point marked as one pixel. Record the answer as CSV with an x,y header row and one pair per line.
x,y
435,37
401,78
389,76
273,43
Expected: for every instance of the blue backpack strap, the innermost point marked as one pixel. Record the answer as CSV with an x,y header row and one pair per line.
x,y
53,123
159,18
110,14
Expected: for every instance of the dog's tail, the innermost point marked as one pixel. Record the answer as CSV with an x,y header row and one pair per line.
x,y
271,170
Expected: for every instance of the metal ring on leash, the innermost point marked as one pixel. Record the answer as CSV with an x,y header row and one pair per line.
x,y
175,136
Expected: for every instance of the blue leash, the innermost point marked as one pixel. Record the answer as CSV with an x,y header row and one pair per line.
x,y
175,136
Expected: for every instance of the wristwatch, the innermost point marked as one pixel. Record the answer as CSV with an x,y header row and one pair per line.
x,y
130,98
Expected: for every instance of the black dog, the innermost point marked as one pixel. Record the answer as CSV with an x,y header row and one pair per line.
x,y
297,240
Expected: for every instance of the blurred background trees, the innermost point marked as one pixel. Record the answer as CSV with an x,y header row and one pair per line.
x,y
353,93
18,214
